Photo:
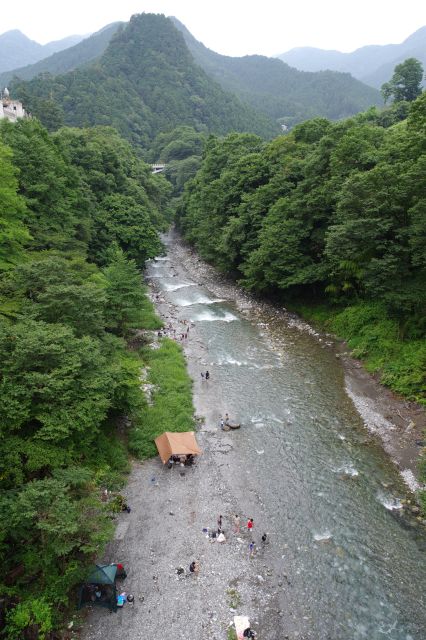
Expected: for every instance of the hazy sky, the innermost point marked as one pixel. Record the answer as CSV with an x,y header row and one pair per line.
x,y
232,27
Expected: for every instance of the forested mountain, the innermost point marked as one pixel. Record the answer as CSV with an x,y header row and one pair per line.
x,y
16,50
70,58
280,91
372,64
331,213
146,82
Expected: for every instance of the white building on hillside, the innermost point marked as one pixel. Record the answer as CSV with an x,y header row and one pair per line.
x,y
10,109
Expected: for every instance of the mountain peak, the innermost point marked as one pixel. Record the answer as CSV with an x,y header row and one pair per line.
x,y
373,64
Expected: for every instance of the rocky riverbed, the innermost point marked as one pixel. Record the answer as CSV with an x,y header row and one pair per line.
x,y
280,588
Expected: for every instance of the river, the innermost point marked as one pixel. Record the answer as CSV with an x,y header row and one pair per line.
x,y
316,481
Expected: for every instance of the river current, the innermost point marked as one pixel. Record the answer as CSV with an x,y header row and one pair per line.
x,y
330,493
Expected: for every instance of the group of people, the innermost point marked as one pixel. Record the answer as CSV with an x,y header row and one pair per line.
x,y
205,375
186,460
170,331
250,526
224,422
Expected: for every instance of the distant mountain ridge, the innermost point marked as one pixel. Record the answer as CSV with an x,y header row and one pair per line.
x,y
372,64
16,50
280,91
80,54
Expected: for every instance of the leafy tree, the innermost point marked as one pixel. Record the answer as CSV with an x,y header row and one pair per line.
x,y
49,185
13,234
127,202
55,382
65,371
125,296
405,83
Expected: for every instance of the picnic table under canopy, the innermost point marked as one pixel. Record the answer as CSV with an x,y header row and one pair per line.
x,y
177,444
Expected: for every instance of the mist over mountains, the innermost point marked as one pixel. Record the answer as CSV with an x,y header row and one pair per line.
x,y
16,50
81,53
373,64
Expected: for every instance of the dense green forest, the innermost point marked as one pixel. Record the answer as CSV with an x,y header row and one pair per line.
x,y
80,214
332,214
145,83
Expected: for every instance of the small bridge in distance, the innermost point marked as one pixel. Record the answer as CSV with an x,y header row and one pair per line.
x,y
157,168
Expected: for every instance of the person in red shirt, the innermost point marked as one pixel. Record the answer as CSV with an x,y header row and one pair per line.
x,y
250,524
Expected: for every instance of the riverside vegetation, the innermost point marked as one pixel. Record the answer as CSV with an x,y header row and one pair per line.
x,y
331,221
80,215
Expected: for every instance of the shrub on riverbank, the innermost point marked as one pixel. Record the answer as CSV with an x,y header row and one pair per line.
x,y
374,338
170,407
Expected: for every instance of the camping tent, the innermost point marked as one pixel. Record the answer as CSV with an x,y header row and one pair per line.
x,y
100,588
177,444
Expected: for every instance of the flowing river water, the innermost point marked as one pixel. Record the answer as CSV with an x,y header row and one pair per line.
x,y
326,492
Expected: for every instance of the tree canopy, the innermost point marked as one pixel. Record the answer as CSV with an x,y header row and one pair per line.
x,y
405,83
332,211
79,215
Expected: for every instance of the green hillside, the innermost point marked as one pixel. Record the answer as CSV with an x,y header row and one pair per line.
x,y
145,82
280,91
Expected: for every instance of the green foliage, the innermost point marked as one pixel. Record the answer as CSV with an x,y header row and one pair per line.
x,y
13,234
171,408
231,634
125,296
405,83
66,377
50,187
331,211
35,614
127,201
55,382
181,149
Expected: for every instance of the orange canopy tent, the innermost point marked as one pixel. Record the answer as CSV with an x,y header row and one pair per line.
x,y
176,444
